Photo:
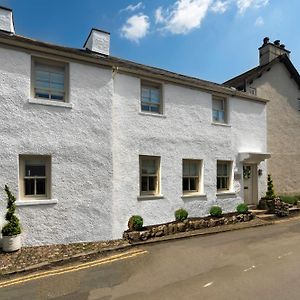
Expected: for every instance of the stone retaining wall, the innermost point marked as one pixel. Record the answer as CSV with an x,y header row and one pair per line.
x,y
187,225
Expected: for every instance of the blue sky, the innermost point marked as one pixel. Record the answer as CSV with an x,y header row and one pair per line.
x,y
210,39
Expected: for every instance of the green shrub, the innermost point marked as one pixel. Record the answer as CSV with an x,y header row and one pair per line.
x,y
135,223
270,194
181,214
12,227
215,211
242,208
290,199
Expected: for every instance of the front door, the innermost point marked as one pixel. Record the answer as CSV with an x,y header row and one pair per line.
x,y
250,186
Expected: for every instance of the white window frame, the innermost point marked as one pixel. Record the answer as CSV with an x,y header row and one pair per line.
x,y
156,174
196,177
51,64
153,85
225,110
252,91
32,160
228,176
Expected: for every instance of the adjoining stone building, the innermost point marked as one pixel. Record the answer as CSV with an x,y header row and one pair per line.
x,y
88,139
277,79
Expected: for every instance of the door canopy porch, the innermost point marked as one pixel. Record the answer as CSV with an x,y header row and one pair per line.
x,y
253,157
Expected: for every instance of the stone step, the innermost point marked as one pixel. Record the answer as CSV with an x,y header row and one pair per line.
x,y
267,217
258,211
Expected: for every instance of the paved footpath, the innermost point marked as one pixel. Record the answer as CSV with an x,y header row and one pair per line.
x,y
255,263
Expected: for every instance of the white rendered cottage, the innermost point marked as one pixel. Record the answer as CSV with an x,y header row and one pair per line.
x,y
87,140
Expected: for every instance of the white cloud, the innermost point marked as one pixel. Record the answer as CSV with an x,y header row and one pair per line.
x,y
158,15
259,22
136,27
132,7
243,5
183,16
220,6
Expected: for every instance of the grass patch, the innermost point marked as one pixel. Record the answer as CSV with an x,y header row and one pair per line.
x,y
290,199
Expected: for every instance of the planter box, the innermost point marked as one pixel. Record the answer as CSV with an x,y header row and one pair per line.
x,y
11,243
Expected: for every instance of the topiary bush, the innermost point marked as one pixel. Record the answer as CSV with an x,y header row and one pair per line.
x,y
181,214
12,227
215,211
242,208
135,223
270,194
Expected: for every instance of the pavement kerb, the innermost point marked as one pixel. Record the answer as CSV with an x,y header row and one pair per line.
x,y
182,235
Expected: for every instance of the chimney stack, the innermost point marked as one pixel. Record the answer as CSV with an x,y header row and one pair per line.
x,y
98,41
269,51
6,20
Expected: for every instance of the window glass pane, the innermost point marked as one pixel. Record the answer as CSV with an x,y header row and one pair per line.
x,y
42,94
152,183
145,107
145,93
57,78
33,170
218,104
144,184
185,167
215,115
42,75
42,84
218,183
221,117
193,168
155,108
29,186
185,184
148,166
40,186
57,96
193,184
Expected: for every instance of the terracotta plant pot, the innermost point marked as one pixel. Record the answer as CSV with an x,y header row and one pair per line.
x,y
11,243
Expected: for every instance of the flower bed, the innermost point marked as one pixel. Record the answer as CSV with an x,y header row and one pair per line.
x,y
189,224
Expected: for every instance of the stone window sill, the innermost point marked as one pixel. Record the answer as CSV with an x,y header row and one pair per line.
x,y
50,103
220,124
36,202
150,197
152,114
189,196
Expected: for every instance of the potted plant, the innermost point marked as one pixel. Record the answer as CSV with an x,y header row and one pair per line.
x,y
11,231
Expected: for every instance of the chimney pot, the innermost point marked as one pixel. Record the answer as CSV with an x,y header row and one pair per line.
x,y
98,41
277,42
282,46
6,20
266,40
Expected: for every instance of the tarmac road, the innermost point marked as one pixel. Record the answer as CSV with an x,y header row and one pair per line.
x,y
255,263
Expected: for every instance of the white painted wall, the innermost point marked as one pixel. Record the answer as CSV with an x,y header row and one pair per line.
x,y
95,148
79,141
185,131
283,119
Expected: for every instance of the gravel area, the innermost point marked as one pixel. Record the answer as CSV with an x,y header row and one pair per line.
x,y
29,257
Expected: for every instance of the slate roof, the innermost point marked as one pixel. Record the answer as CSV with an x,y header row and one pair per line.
x,y
240,81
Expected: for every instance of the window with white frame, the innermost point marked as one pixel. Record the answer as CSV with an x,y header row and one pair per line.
x,y
191,172
223,175
252,91
35,176
151,97
49,80
149,175
219,113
